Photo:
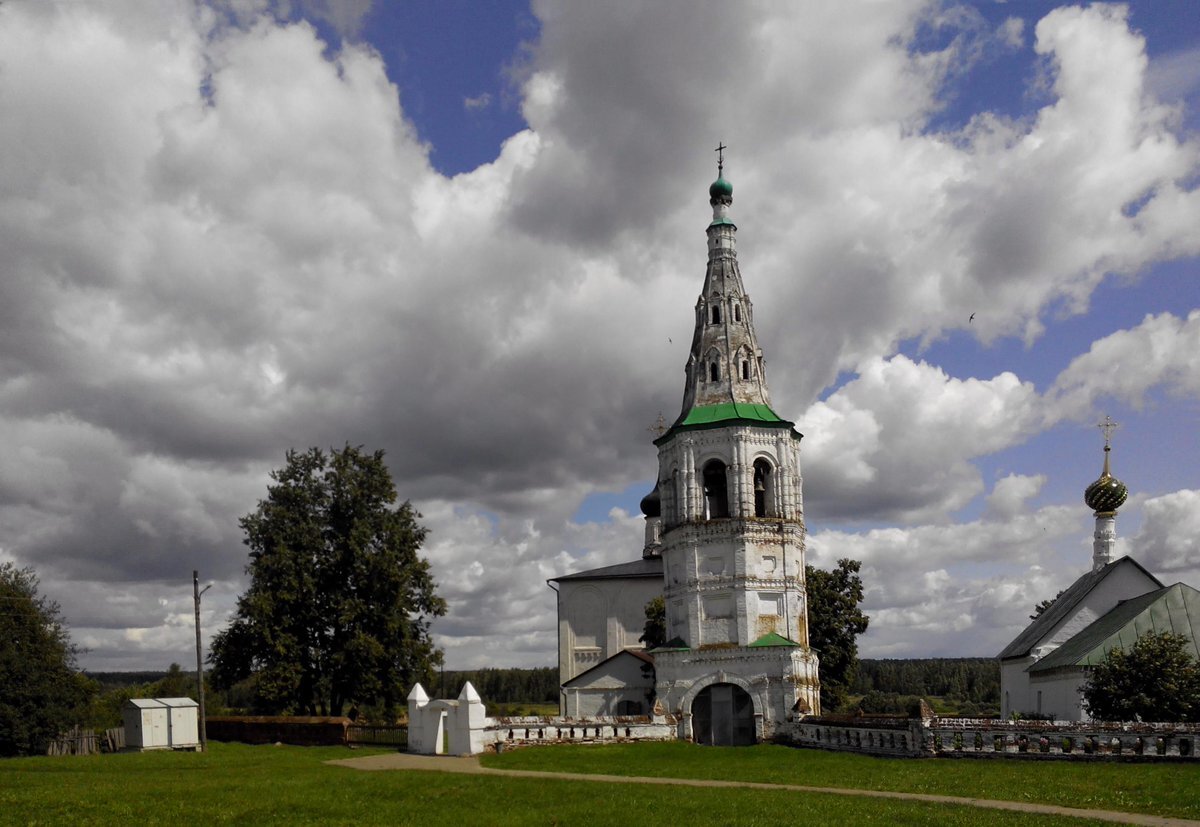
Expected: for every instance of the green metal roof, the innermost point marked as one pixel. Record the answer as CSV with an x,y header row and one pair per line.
x,y
772,639
706,414
1175,609
714,416
1062,607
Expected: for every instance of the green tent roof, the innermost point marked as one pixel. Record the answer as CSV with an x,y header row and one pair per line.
x,y
1175,609
713,416
772,639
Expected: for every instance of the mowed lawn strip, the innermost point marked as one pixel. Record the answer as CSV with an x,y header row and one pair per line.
x,y
237,784
1168,789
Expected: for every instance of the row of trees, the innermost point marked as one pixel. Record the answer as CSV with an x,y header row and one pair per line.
x,y
505,686
976,680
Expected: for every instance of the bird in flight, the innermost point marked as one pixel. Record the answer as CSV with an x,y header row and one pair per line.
x,y
971,319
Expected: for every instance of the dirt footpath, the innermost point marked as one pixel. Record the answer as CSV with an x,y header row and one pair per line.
x,y
442,763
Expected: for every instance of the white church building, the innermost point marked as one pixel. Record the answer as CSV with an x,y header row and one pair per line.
x,y
724,547
1044,668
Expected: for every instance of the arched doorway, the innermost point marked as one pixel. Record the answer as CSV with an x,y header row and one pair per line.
x,y
723,716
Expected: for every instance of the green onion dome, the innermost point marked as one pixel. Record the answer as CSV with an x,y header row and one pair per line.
x,y
721,190
1106,494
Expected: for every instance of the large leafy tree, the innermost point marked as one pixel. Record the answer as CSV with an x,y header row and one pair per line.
x,y
1156,679
41,692
834,623
340,601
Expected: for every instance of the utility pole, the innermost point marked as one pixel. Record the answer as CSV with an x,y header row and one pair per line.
x,y
197,591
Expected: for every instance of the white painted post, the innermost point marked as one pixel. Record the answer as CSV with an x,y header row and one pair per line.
x,y
417,730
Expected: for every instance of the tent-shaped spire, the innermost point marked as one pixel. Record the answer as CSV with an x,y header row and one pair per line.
x,y
725,373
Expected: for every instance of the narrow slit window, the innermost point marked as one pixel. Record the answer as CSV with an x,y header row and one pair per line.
x,y
716,314
714,372
746,369
737,312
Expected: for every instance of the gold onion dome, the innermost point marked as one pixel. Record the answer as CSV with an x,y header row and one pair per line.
x,y
1106,494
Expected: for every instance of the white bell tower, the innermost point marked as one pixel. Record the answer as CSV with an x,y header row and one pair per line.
x,y
731,518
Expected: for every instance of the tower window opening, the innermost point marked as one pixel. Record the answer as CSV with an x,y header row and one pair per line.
x,y
716,496
714,372
716,314
737,312
763,485
746,369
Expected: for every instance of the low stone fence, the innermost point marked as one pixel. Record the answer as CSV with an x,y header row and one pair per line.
x,y
1042,739
876,735
503,733
985,738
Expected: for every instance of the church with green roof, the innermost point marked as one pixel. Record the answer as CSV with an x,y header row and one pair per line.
x,y
1043,669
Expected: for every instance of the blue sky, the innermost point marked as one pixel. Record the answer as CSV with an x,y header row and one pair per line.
x,y
471,234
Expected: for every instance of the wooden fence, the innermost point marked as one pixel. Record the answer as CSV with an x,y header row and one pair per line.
x,y
80,741
383,735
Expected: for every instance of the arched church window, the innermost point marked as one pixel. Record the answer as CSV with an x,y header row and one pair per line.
x,y
714,372
716,495
737,312
716,314
763,487
746,369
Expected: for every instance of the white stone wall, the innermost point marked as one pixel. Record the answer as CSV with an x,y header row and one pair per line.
x,y
609,689
681,462
776,678
599,618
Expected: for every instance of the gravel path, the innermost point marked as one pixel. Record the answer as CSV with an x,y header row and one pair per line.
x,y
441,763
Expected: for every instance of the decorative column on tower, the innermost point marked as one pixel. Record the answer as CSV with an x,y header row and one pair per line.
x,y
1104,497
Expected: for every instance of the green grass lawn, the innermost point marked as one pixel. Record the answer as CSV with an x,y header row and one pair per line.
x,y
1160,789
237,784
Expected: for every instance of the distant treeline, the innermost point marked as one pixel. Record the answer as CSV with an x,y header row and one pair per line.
x,y
975,680
116,680
500,685
967,679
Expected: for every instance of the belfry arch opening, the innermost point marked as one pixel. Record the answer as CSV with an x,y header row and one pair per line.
x,y
723,716
764,488
716,314
716,491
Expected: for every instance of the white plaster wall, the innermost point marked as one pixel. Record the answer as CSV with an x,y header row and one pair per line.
x,y
601,691
1122,583
622,604
1014,686
1060,695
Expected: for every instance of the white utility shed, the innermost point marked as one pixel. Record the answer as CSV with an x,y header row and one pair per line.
x,y
161,723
